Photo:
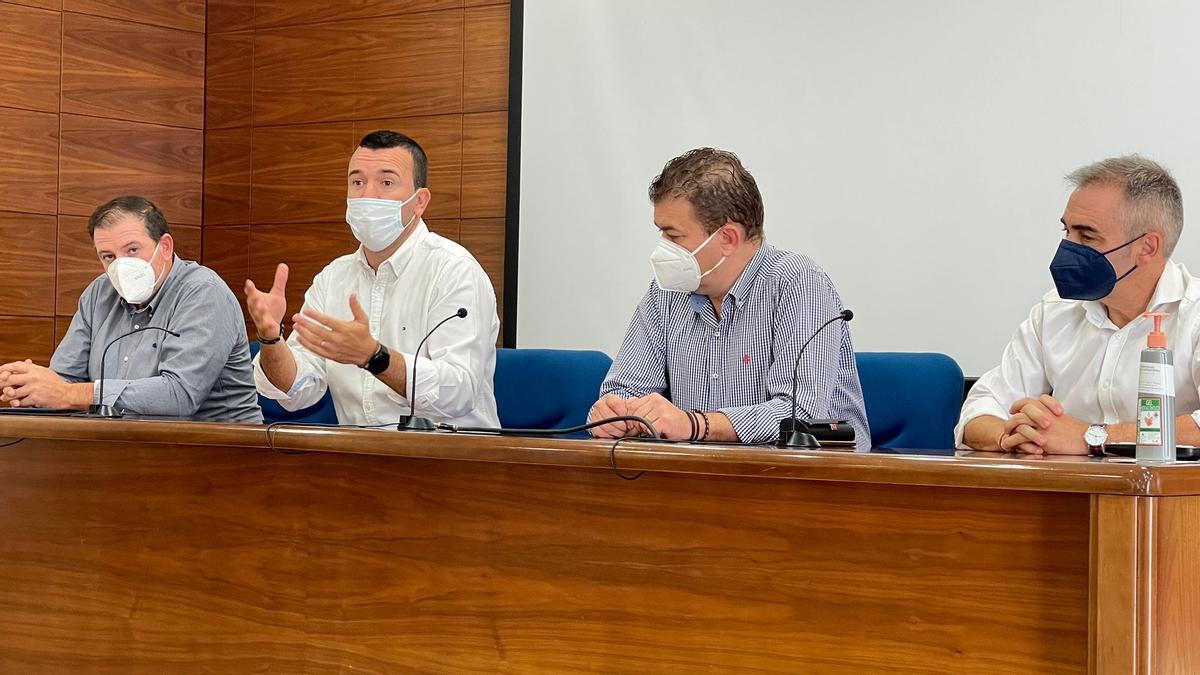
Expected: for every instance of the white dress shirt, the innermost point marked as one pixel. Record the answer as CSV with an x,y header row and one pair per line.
x,y
428,279
1072,351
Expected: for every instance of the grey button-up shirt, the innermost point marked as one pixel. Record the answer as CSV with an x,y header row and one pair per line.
x,y
203,374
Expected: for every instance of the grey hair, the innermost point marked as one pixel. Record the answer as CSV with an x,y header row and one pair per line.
x,y
1153,201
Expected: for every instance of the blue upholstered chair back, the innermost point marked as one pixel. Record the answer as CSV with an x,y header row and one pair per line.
x,y
321,413
913,399
547,388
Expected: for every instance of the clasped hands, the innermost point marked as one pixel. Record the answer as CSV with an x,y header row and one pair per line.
x,y
670,422
1040,425
24,384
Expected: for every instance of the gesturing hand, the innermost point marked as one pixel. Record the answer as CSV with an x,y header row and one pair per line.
x,y
268,309
342,341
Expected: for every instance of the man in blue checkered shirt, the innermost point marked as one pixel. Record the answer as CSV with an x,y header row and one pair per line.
x,y
710,350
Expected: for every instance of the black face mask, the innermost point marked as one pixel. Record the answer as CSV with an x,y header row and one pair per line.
x,y
1083,273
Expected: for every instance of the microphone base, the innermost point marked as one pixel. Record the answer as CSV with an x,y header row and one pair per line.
x,y
798,439
97,410
414,423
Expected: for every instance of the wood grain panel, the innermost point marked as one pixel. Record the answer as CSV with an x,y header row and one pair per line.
x,y
270,13
485,3
229,80
29,172
61,325
1176,604
229,15
484,238
26,338
441,138
410,65
305,75
122,70
446,228
306,248
78,265
227,252
27,264
299,173
31,58
185,15
486,68
334,563
227,155
1113,604
102,159
43,4
485,148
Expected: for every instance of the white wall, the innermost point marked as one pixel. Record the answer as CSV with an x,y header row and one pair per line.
x,y
914,149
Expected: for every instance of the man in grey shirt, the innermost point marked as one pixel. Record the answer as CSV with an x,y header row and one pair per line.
x,y
203,374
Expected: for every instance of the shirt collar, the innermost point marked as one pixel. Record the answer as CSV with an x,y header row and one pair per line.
x,y
397,261
1168,291
740,291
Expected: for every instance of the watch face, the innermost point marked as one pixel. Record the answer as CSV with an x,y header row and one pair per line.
x,y
1095,435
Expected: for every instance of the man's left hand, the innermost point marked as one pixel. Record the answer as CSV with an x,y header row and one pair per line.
x,y
1060,433
342,341
28,385
670,422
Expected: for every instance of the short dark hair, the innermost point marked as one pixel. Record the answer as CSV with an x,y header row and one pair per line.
x,y
717,186
383,139
153,219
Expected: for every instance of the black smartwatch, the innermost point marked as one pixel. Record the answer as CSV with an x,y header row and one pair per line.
x,y
379,361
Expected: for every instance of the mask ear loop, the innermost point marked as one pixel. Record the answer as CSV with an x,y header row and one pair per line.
x,y
1131,269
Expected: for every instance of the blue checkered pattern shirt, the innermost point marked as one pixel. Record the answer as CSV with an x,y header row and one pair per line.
x,y
741,364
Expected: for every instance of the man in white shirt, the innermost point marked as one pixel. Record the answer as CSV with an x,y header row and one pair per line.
x,y
1068,379
366,313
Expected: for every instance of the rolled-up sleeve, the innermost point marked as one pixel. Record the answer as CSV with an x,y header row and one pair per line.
x,y
190,364
1021,374
640,367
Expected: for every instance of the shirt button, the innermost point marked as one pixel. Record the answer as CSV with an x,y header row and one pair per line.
x,y
716,376
135,326
126,358
716,333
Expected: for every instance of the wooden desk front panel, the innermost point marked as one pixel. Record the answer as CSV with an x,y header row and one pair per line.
x,y
155,558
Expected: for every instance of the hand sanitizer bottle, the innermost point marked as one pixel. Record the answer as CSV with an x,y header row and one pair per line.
x,y
1156,398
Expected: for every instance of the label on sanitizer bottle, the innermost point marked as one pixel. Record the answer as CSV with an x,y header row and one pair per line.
x,y
1149,425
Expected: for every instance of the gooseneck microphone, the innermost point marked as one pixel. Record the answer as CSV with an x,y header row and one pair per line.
x,y
793,432
410,421
100,409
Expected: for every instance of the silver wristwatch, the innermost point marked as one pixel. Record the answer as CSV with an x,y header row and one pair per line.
x,y
1095,437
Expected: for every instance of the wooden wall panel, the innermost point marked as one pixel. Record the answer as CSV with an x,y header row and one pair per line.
x,y
78,265
229,78
61,325
30,59
227,176
410,65
102,159
441,138
484,238
227,252
449,229
485,161
299,173
127,71
229,15
27,264
486,3
306,248
303,76
26,338
485,87
270,13
182,14
41,4
29,172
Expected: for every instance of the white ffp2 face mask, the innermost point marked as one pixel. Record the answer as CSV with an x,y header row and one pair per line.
x,y
133,278
377,223
675,267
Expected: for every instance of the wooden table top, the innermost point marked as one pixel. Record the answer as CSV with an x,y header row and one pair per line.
x,y
947,469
